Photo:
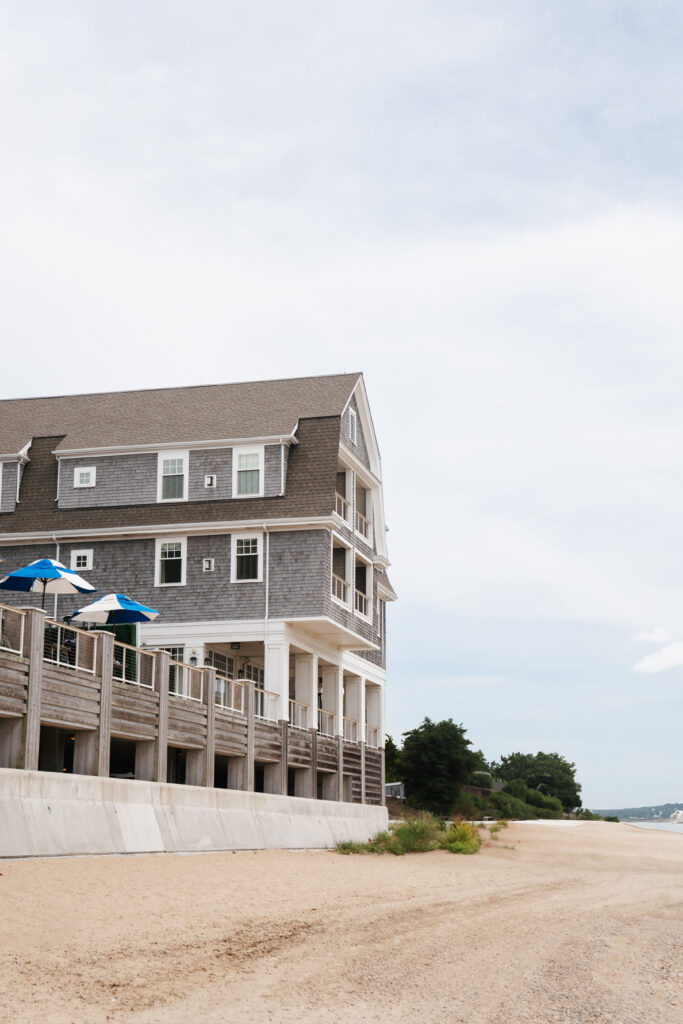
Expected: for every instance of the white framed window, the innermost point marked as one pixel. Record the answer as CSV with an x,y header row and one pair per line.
x,y
172,476
170,562
246,558
247,472
85,476
353,426
81,559
255,674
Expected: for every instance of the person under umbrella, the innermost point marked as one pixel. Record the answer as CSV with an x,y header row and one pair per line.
x,y
46,576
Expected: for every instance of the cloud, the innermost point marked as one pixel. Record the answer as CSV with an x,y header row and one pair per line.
x,y
656,636
670,656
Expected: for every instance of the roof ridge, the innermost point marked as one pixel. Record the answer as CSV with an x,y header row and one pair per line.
x,y
182,387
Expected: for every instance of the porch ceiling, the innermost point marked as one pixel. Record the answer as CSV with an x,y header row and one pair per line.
x,y
332,633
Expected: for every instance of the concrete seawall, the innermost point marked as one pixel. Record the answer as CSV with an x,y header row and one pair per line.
x,y
44,814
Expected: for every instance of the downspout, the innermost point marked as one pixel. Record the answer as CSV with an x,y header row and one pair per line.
x,y
266,560
54,609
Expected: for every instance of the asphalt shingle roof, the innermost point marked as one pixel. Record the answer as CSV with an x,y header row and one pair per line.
x,y
269,408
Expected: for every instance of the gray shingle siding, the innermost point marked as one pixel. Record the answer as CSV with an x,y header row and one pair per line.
x,y
272,470
132,479
120,480
202,463
360,447
299,573
8,497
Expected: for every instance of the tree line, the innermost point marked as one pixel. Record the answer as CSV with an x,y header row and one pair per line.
x,y
437,760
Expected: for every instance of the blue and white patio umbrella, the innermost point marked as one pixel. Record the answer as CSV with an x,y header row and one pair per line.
x,y
114,610
46,576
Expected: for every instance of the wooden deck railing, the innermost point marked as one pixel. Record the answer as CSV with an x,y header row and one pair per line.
x,y
69,647
134,665
12,629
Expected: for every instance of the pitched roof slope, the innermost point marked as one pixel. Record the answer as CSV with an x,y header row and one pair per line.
x,y
268,408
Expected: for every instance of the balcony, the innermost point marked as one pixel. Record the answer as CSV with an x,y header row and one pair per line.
x,y
69,647
342,507
327,722
372,735
231,694
361,603
266,704
364,527
340,589
298,714
351,730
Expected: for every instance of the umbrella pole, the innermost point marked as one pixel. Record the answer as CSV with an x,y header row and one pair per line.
x,y
42,604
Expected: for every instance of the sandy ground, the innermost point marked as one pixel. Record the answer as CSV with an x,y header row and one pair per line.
x,y
576,924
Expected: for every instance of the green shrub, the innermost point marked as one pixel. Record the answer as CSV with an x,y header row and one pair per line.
x,y
610,817
509,806
482,779
419,835
348,846
461,837
516,788
545,802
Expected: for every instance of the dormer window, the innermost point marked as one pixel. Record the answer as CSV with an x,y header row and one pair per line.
x,y
85,476
172,476
247,472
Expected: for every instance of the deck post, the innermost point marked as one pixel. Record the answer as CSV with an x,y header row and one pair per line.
x,y
162,674
284,760
34,632
340,768
210,699
105,670
249,773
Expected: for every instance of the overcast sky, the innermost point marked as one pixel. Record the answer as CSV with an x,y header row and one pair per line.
x,y
480,206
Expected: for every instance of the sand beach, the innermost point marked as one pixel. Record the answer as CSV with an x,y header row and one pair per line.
x,y
574,924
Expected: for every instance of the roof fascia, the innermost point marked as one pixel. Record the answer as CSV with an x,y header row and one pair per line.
x,y
20,456
170,529
367,424
140,449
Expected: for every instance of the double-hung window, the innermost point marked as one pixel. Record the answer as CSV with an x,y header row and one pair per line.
x,y
171,560
172,476
247,558
247,474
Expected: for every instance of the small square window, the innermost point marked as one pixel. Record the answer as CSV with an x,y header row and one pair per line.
x,y
85,476
81,560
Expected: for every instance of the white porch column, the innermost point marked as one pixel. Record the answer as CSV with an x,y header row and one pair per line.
x,y
333,694
355,702
276,673
306,685
373,700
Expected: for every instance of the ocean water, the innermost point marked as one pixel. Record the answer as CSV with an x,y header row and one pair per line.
x,y
665,826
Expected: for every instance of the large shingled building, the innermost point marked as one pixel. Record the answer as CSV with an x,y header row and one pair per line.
x,y
251,517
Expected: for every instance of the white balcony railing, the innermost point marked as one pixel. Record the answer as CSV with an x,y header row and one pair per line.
x,y
133,665
372,735
327,722
69,647
340,588
266,704
298,714
342,507
361,603
185,681
12,629
231,694
363,526
351,730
